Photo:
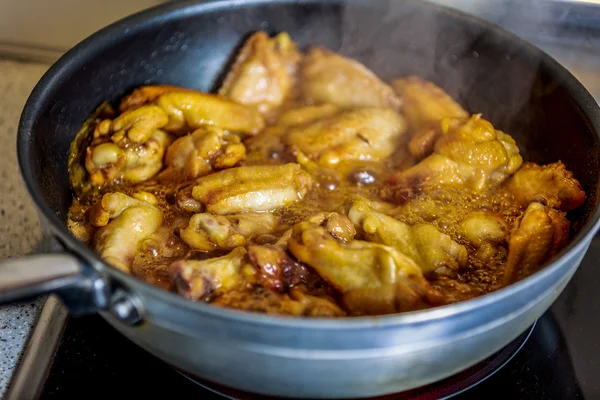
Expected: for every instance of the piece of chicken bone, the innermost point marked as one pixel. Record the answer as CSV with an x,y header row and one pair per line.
x,y
124,223
252,188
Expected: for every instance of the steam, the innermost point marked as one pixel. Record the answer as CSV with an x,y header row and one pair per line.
x,y
483,74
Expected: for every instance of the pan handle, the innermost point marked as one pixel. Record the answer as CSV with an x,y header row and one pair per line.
x,y
77,285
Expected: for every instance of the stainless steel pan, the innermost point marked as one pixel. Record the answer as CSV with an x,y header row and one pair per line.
x,y
519,88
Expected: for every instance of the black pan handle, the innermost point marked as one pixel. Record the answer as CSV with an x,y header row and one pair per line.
x,y
25,278
77,286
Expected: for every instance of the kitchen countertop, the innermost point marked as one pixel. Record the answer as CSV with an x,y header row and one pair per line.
x,y
20,230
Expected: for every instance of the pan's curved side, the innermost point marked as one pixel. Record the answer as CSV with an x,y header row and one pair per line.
x,y
242,362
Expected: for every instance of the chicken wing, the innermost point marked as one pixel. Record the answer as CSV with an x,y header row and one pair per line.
x,y
144,95
268,146
177,110
433,251
207,232
327,77
191,110
263,73
113,159
338,226
124,222
372,277
550,184
537,236
201,152
260,188
487,232
250,224
185,201
367,134
276,270
424,103
195,279
469,153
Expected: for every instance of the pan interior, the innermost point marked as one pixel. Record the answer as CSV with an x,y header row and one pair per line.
x,y
519,89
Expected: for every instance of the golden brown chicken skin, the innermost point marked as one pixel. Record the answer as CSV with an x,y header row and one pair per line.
x,y
327,77
307,186
537,236
367,134
468,153
425,103
550,184
263,73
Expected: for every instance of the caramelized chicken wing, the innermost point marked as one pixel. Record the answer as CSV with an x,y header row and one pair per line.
x,y
486,231
424,103
251,224
179,110
147,94
268,146
433,251
263,73
368,134
363,271
201,152
113,159
260,188
307,186
469,153
190,110
537,236
276,269
195,279
124,222
327,77
550,184
207,232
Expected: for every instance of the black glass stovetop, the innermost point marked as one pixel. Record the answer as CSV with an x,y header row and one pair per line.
x,y
559,360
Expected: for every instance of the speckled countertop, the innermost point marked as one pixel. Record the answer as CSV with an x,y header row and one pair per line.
x,y
20,231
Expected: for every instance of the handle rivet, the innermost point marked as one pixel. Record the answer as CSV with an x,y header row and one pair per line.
x,y
123,307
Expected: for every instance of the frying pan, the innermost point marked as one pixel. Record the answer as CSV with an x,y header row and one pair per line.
x,y
517,87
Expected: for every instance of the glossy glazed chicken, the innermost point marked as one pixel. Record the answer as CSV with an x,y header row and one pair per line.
x,y
307,186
